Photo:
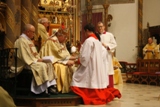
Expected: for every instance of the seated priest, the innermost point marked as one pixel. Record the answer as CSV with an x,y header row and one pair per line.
x,y
63,62
43,73
157,51
43,24
117,71
149,49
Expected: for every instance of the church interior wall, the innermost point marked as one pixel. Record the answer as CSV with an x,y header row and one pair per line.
x,y
151,13
124,27
150,16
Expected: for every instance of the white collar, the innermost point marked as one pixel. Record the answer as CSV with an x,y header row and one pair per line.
x,y
25,36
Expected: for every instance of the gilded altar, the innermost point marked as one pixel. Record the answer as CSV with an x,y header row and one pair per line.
x,y
60,14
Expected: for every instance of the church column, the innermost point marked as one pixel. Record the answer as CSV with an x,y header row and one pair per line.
x,y
18,18
25,12
11,30
2,24
34,15
140,21
89,11
78,20
105,6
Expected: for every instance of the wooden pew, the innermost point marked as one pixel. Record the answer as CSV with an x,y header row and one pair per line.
x,y
147,72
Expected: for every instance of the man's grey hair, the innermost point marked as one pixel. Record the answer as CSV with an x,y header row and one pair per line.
x,y
27,27
43,20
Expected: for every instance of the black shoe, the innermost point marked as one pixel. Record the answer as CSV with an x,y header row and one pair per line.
x,y
43,94
53,90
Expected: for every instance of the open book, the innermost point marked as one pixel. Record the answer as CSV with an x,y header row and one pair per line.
x,y
48,59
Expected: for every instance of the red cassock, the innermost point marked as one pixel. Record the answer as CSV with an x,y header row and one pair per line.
x,y
96,96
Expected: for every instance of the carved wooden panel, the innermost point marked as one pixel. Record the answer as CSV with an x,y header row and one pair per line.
x,y
100,2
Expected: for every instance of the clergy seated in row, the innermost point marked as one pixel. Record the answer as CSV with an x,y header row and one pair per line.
x,y
117,71
149,49
43,73
63,62
157,52
43,24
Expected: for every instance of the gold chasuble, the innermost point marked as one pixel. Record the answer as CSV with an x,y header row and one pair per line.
x,y
6,99
42,32
117,72
157,52
27,55
52,47
149,54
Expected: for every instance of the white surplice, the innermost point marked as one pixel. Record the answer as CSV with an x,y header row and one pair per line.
x,y
93,70
108,39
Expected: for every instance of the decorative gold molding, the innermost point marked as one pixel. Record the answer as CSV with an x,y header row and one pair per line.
x,y
105,6
120,1
89,7
100,2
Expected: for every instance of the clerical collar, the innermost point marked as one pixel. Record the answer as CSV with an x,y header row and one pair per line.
x,y
93,35
102,33
25,36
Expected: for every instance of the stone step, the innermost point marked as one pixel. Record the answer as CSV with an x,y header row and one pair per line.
x,y
54,100
124,77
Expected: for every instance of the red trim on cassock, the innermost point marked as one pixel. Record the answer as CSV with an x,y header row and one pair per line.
x,y
93,35
111,81
96,96
104,32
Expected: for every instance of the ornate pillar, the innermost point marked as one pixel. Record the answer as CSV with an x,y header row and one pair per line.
x,y
78,20
89,11
2,16
2,24
18,18
25,12
34,14
105,6
140,30
10,23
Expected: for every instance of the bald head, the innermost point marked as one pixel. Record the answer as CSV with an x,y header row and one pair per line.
x,y
150,40
28,27
29,30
